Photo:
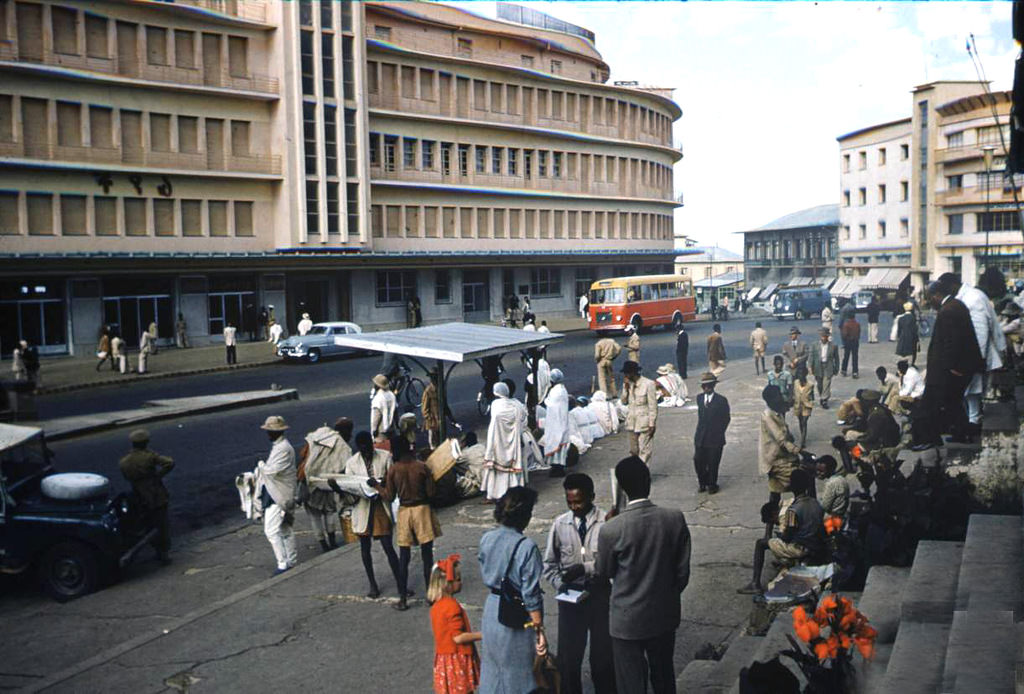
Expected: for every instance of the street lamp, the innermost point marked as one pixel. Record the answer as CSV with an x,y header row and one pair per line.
x,y
987,154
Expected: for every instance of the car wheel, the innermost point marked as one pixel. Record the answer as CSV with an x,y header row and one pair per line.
x,y
69,570
313,356
799,315
74,486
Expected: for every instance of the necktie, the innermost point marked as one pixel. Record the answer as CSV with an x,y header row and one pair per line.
x,y
583,531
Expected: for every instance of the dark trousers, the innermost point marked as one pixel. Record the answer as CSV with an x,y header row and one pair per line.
x,y
850,348
643,659
574,623
232,354
943,405
681,362
160,519
705,461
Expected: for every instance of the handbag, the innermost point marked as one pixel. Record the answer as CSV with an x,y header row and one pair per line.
x,y
511,610
546,675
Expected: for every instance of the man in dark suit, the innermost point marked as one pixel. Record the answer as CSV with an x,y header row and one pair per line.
x,y
645,551
824,362
953,359
709,439
682,350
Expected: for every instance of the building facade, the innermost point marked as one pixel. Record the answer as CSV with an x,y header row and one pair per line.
x,y
798,248
874,206
212,157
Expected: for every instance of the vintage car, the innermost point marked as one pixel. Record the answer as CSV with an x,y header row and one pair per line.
x,y
66,527
318,342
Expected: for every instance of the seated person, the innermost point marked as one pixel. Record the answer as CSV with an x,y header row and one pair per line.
x,y
671,387
851,415
835,498
881,430
803,534
606,413
889,387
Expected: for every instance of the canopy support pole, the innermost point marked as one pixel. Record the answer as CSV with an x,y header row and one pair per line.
x,y
442,399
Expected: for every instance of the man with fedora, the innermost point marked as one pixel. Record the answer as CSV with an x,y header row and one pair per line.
x,y
824,363
709,438
382,409
275,485
795,350
145,471
305,325
641,395
716,351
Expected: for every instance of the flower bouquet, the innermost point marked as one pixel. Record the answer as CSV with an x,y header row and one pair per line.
x,y
832,634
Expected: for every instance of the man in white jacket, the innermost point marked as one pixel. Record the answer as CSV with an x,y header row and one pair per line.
x,y
275,485
991,341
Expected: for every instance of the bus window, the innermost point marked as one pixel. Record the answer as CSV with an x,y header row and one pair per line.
x,y
648,294
687,289
612,295
632,294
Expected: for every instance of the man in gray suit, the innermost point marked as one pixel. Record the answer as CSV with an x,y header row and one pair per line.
x,y
824,363
645,551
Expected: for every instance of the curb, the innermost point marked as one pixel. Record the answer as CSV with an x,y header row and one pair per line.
x,y
153,376
170,413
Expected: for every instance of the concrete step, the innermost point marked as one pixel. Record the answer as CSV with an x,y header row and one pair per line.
x,y
991,574
770,645
883,595
918,655
725,673
696,675
930,592
871,673
980,654
1001,417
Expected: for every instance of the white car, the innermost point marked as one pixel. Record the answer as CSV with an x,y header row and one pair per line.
x,y
318,342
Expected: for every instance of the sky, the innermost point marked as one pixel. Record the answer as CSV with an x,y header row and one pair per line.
x,y
767,87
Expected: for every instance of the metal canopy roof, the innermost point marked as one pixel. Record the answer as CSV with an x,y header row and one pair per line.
x,y
12,435
452,342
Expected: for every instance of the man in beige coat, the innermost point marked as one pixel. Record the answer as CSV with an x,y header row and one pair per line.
x,y
641,395
275,484
776,450
759,343
606,351
632,344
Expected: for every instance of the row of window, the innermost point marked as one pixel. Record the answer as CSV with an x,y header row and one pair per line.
x,y
396,287
984,222
47,214
862,194
105,128
447,158
388,83
985,135
881,156
416,221
786,249
96,42
882,229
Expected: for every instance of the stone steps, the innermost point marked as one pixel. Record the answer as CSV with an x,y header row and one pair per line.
x,y
918,656
930,592
981,653
718,676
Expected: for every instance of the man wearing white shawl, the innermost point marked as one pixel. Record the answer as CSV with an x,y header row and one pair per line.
x,y
556,425
503,455
543,377
672,390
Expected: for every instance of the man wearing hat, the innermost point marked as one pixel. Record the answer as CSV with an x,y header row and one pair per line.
x,y
641,395
716,351
632,344
305,325
382,409
881,429
606,350
824,364
795,350
275,484
325,452
709,439
145,471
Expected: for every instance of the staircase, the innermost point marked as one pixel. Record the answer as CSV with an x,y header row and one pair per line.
x,y
947,624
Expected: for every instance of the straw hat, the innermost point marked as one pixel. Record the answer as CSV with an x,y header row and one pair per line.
x,y
381,381
666,369
274,423
908,306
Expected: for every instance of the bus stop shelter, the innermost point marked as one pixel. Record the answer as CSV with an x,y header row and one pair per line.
x,y
450,344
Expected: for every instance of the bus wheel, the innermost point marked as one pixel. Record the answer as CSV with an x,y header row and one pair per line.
x,y
799,315
677,322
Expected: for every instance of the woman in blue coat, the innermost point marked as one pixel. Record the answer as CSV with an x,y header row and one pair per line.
x,y
508,653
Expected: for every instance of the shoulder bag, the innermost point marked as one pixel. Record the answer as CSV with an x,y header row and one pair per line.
x,y
511,610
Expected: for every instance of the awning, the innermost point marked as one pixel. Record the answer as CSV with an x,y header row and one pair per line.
x,y
799,282
893,278
752,294
451,342
845,287
874,276
767,292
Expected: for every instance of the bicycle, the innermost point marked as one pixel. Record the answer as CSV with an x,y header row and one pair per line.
x,y
405,385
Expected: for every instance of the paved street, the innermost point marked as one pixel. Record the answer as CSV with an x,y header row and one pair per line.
x,y
228,628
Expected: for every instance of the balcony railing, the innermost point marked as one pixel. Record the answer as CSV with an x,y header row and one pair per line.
x,y
167,74
193,161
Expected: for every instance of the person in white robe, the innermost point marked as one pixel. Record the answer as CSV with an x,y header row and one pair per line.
x,y
305,325
276,333
991,342
671,387
555,441
607,414
503,454
382,408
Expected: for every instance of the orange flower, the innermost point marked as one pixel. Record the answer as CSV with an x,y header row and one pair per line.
x,y
866,647
799,615
833,646
821,650
807,631
844,641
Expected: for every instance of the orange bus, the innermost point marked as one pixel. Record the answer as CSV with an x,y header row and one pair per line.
x,y
642,301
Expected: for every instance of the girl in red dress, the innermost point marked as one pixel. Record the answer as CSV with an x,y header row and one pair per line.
x,y
456,663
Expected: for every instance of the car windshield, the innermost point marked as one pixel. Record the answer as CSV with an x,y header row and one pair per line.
x,y
22,462
612,295
318,330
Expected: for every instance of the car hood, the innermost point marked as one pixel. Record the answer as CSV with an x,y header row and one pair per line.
x,y
293,341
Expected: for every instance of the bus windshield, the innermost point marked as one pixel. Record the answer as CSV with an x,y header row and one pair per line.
x,y
612,295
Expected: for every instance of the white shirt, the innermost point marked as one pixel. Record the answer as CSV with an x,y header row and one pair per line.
x,y
824,352
275,333
305,325
382,412
543,329
530,327
911,384
229,336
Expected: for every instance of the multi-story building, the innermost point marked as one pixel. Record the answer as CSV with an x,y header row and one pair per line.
x,y
209,157
958,213
874,206
799,248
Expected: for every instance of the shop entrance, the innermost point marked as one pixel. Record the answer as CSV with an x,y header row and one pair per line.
x,y
35,312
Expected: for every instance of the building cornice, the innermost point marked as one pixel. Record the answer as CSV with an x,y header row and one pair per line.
x,y
879,126
671,106
203,14
517,192
101,167
673,152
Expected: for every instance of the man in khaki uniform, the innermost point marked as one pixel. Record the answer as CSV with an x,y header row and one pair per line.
x,y
633,344
145,470
776,450
641,395
759,343
716,351
605,352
